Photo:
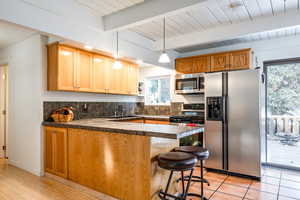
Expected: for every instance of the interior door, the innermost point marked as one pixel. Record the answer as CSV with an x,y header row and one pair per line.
x,y
243,123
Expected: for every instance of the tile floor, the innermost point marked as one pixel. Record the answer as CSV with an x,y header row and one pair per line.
x,y
276,184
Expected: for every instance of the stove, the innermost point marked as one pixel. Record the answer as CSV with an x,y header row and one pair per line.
x,y
191,115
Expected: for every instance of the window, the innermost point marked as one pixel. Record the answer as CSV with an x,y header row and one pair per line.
x,y
158,91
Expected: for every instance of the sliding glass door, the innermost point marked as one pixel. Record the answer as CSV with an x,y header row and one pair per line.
x,y
283,113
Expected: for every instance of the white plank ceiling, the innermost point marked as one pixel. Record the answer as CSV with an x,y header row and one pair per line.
x,y
286,32
105,7
217,12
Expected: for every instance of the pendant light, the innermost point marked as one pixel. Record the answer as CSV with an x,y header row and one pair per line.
x,y
164,58
117,64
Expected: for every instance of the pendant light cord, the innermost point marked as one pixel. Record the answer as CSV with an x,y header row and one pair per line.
x,y
164,34
118,44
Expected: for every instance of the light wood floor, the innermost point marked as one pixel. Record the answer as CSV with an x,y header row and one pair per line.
x,y
16,184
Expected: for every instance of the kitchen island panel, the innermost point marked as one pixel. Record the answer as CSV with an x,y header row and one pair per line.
x,y
114,164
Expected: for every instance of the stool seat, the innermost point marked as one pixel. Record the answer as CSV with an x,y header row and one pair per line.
x,y
177,161
200,152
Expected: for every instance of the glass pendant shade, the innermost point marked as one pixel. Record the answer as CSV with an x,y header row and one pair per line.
x,y
164,58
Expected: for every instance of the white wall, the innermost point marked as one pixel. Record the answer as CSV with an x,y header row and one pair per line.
x,y
24,103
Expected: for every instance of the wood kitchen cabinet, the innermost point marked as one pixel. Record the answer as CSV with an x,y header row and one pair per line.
x,y
201,64
184,66
225,61
240,59
133,73
99,74
220,62
56,151
84,71
61,75
76,70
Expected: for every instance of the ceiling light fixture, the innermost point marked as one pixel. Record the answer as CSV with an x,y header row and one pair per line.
x,y
164,58
88,47
117,64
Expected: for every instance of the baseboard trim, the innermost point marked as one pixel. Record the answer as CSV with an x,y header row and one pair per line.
x,y
82,188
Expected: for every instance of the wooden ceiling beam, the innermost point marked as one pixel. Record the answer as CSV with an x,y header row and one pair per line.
x,y
145,12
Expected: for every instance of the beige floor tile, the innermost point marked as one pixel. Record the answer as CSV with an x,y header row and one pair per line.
x,y
289,192
265,187
223,196
291,184
213,185
215,176
258,195
207,193
270,180
243,182
291,177
233,190
285,198
276,173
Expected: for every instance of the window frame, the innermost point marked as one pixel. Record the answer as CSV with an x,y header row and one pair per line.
x,y
147,103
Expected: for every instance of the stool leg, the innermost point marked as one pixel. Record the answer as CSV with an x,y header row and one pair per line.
x,y
188,184
182,181
168,184
202,193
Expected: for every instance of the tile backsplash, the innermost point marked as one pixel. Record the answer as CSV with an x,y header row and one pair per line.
x,y
84,110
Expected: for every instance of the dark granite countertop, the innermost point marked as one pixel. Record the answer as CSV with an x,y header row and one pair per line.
x,y
173,131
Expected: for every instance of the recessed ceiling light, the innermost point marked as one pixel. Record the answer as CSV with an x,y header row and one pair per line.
x,y
139,61
88,47
235,5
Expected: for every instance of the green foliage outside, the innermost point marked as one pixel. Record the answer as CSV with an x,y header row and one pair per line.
x,y
284,89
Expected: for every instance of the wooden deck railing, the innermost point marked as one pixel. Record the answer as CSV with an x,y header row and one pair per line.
x,y
278,124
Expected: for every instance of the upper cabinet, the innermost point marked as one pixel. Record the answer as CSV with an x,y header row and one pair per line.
x,y
71,69
201,64
219,62
184,65
84,71
240,59
234,60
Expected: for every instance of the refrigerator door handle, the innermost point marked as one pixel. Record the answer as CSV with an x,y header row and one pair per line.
x,y
224,109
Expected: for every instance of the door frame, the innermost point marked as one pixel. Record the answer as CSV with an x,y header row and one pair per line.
x,y
266,64
6,112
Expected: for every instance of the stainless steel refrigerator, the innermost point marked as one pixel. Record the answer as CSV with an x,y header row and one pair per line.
x,y
232,132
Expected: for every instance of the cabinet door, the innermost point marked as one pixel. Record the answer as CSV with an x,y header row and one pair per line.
x,y
125,76
240,59
184,66
99,74
114,78
133,79
84,70
66,68
56,151
219,62
201,64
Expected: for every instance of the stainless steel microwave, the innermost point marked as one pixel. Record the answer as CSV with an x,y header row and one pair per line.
x,y
189,83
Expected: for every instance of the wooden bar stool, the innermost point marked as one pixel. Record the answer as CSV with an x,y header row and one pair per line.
x,y
177,161
201,154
